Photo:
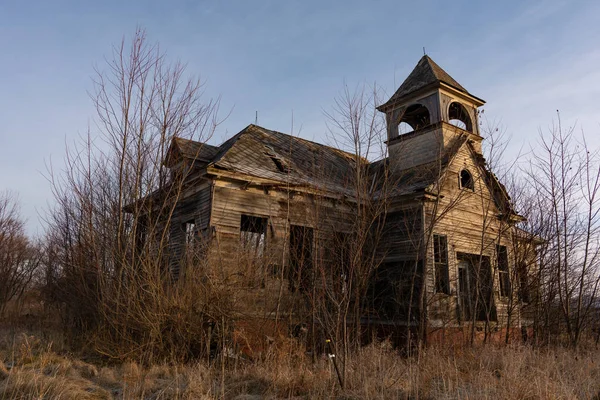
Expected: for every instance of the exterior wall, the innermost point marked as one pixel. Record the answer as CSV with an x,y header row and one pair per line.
x,y
264,288
194,207
469,220
416,148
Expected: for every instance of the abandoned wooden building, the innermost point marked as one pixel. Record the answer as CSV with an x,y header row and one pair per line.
x,y
299,227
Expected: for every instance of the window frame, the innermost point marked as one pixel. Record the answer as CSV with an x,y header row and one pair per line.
x,y
470,183
441,270
253,234
503,266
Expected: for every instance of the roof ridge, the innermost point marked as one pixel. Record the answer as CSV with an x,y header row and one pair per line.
x,y
266,130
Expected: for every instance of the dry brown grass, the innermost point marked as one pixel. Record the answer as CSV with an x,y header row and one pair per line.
x,y
374,372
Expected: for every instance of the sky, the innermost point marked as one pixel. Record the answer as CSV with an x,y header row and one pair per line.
x,y
288,61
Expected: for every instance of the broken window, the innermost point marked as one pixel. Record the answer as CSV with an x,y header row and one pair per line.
x,y
190,232
466,180
300,257
440,259
459,117
503,275
253,232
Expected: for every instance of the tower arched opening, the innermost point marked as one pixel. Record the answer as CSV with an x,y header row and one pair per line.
x,y
416,117
459,117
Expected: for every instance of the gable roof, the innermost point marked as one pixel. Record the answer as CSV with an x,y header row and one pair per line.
x,y
266,154
424,177
189,149
420,178
425,73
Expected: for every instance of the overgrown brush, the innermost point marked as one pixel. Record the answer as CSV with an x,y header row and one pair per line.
x,y
374,372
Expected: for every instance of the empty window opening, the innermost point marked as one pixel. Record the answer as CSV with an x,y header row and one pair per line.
x,y
475,284
440,259
253,232
466,180
459,117
190,232
300,257
415,117
503,274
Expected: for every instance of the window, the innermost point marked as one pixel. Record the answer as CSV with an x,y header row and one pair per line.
x,y
440,259
253,232
524,292
466,180
190,232
503,275
300,257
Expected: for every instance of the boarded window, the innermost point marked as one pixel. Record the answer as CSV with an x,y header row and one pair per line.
x,y
300,257
503,274
440,259
253,233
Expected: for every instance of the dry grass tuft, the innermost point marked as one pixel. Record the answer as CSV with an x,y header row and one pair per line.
x,y
376,371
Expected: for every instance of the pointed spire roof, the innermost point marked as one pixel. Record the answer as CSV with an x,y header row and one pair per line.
x,y
426,73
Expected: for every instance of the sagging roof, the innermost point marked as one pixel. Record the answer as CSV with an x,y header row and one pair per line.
x,y
425,73
189,149
271,155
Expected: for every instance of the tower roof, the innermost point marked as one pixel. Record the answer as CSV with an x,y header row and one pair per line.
x,y
426,73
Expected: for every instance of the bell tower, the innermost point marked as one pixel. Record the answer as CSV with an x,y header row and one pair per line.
x,y
427,112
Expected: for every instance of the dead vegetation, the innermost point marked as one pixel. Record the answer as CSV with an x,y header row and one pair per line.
x,y
32,370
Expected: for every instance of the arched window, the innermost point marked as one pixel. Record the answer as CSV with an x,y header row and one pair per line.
x,y
416,117
459,117
466,180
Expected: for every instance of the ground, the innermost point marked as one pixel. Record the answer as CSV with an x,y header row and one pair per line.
x,y
36,368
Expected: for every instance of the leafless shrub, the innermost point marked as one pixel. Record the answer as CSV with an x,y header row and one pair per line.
x,y
19,257
108,256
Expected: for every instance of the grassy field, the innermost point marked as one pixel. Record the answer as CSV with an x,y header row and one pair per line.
x,y
31,368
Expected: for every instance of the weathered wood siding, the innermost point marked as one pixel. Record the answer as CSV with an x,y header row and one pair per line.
x,y
264,283
469,220
195,207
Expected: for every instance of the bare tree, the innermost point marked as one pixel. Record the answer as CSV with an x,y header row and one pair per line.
x,y
109,233
565,175
19,258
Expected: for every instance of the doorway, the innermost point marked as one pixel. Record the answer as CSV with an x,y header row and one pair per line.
x,y
475,288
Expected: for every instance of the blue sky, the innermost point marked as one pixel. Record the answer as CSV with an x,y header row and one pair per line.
x,y
282,58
